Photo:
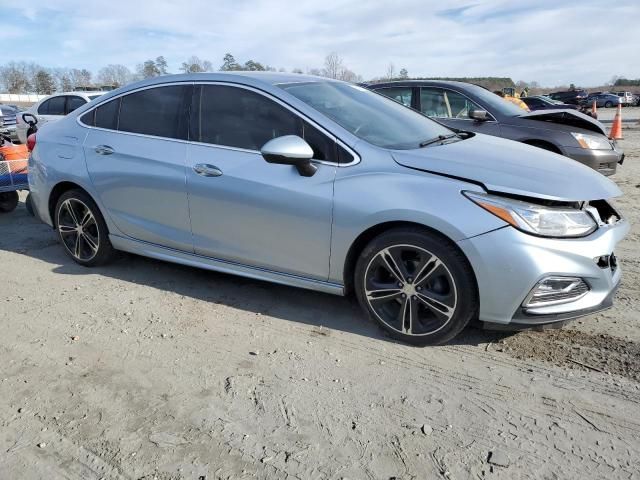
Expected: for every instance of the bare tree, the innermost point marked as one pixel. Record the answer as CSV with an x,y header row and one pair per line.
x,y
332,65
314,71
116,75
14,77
391,71
195,65
403,73
347,75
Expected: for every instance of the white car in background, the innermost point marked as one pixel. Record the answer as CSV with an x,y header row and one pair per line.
x,y
53,108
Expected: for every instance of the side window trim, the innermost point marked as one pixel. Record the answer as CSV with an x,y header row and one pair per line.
x,y
354,154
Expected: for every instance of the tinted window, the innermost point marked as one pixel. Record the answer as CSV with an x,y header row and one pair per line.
x,y
160,111
53,106
106,116
367,115
403,95
240,118
74,102
324,147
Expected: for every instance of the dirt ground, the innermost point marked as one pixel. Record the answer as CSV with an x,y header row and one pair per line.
x,y
147,370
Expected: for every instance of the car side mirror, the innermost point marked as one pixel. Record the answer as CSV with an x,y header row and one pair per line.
x,y
290,150
479,115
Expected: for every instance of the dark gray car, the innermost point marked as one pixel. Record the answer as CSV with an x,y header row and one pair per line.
x,y
468,107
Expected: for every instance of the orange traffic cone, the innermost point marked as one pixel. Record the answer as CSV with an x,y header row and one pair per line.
x,y
616,128
594,110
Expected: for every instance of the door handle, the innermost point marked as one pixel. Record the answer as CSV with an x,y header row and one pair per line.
x,y
207,170
103,150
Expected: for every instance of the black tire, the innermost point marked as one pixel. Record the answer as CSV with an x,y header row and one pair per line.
x,y
8,201
71,206
28,203
410,315
608,104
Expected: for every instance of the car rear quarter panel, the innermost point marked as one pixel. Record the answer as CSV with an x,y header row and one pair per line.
x,y
58,157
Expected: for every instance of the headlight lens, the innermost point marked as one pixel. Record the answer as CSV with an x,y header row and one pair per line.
x,y
558,222
592,142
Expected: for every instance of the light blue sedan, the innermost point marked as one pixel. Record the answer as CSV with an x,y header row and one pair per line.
x,y
325,185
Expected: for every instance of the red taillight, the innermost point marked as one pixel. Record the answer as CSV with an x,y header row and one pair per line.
x,y
31,142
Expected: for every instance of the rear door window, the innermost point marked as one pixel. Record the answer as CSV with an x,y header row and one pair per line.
x,y
159,111
53,106
74,102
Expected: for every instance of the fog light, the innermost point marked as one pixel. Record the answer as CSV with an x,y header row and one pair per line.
x,y
556,290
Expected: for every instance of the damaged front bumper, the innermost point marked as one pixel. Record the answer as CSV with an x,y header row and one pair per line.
x,y
509,264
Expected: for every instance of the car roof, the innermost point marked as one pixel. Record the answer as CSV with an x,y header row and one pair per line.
x,y
267,78
417,83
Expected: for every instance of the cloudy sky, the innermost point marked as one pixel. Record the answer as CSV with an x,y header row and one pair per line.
x,y
555,42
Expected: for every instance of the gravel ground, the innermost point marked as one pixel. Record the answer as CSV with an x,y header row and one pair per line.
x,y
143,369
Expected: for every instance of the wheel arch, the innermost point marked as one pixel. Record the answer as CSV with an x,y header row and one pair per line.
x,y
362,240
57,191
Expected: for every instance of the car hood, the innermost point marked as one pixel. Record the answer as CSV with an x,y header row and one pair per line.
x,y
510,167
566,117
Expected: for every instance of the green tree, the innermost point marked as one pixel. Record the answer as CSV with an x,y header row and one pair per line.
x,y
229,63
252,66
161,65
404,73
43,83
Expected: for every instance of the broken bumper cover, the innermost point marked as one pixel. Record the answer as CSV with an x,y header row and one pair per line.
x,y
508,265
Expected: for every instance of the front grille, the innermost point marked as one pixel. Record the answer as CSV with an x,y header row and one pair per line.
x,y
9,120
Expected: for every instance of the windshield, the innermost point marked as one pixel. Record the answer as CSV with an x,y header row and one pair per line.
x,y
368,115
494,103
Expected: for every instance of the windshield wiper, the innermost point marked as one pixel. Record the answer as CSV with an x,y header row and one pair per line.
x,y
439,138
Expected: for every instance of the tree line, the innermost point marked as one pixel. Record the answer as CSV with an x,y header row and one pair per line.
x,y
29,77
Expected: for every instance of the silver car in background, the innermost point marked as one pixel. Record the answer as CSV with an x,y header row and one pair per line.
x,y
321,184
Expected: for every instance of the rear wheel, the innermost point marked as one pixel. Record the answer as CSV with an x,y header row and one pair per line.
x,y
608,104
8,201
82,230
416,285
28,203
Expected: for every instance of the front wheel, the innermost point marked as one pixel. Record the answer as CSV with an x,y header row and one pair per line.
x,y
608,105
8,201
417,286
82,230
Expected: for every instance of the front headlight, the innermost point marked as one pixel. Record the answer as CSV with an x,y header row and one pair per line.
x,y
592,142
558,222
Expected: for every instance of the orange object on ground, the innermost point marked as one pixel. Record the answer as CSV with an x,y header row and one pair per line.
x,y
17,155
594,110
616,128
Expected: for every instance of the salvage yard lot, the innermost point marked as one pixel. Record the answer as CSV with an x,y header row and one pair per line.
x,y
143,369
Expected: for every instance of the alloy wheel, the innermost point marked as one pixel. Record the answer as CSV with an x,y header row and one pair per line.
x,y
410,290
78,229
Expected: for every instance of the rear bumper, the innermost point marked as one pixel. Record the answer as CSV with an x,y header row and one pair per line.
x,y
603,161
